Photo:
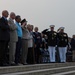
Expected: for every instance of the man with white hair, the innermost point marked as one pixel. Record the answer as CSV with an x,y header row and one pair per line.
x,y
62,44
4,37
52,42
13,38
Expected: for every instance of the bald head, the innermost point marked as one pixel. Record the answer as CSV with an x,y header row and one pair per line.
x,y
36,29
32,27
12,15
5,13
28,27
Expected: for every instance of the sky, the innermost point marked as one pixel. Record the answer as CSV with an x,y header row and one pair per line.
x,y
43,13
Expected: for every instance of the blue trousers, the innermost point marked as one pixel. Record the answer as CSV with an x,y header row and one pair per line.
x,y
18,50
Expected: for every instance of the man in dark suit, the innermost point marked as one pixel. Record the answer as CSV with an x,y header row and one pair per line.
x,y
38,41
4,37
73,48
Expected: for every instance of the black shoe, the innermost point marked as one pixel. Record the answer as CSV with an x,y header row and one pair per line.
x,y
52,62
13,64
4,64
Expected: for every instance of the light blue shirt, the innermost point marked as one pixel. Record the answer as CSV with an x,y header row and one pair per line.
x,y
19,29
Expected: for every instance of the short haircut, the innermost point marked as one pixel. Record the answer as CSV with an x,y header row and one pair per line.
x,y
4,11
18,16
12,13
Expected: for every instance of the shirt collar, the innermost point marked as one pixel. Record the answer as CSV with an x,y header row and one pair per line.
x,y
17,23
10,18
5,18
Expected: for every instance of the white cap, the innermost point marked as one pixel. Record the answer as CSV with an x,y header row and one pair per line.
x,y
62,28
52,25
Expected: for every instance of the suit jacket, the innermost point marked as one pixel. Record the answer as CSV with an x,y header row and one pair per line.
x,y
4,30
26,33
13,31
30,41
52,37
27,36
37,38
73,44
62,39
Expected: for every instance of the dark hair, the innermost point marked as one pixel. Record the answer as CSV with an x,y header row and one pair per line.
x,y
17,17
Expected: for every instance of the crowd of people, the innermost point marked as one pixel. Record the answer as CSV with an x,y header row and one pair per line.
x,y
22,43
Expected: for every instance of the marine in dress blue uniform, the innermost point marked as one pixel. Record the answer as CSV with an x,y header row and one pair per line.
x,y
62,44
52,42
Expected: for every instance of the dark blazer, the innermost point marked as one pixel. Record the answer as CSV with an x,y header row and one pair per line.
x,y
73,44
4,30
62,39
52,37
37,38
